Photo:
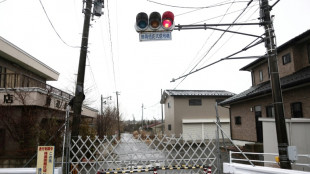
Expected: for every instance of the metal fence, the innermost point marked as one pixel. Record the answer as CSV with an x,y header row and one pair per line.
x,y
89,155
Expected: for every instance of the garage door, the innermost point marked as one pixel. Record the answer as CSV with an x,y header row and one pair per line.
x,y
205,130
192,131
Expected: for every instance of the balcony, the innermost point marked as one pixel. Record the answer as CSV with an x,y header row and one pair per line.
x,y
19,89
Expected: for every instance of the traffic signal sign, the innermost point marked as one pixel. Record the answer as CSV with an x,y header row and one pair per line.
x,y
155,22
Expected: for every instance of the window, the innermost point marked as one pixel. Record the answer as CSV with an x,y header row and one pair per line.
x,y
194,102
260,75
238,120
286,58
296,110
269,111
169,105
169,126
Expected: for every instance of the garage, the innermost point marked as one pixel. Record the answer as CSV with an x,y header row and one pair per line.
x,y
199,129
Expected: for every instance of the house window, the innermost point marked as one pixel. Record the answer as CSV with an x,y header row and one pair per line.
x,y
260,75
253,78
169,126
269,111
296,109
237,120
169,105
2,77
286,58
194,102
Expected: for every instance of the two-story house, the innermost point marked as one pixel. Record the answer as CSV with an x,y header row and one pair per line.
x,y
28,106
193,112
249,108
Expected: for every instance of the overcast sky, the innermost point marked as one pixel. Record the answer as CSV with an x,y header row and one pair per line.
x,y
117,61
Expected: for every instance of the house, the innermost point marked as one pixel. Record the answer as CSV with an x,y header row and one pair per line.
x,y
29,108
251,111
193,112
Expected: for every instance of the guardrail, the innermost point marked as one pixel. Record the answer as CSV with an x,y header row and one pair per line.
x,y
15,80
266,154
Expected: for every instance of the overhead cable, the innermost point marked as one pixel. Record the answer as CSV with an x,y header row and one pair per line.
x,y
214,44
55,29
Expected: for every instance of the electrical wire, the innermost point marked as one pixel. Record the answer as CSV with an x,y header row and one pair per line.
x,y
210,6
225,58
191,72
202,48
228,38
221,15
55,28
111,48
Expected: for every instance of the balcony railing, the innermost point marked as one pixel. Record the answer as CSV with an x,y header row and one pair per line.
x,y
15,80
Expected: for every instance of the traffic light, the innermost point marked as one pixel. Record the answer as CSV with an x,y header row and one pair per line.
x,y
167,20
155,22
142,21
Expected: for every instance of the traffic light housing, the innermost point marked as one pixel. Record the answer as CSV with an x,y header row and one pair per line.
x,y
154,23
142,21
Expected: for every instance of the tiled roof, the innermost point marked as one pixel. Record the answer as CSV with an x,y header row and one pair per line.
x,y
299,77
199,93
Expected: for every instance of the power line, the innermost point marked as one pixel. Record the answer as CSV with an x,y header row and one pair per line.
x,y
202,48
215,43
210,6
54,27
111,48
226,58
229,37
222,15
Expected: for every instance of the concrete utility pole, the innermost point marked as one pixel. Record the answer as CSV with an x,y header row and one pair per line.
x,y
275,85
118,124
162,114
142,116
79,91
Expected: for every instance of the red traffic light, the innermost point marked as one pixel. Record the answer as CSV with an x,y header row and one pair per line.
x,y
167,20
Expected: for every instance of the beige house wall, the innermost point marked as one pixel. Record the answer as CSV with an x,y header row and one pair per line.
x,y
180,110
169,115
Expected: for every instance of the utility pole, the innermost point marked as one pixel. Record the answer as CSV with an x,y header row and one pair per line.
x,y
162,114
101,104
77,101
142,116
118,124
275,85
79,90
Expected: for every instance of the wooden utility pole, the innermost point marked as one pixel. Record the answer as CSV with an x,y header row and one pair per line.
x,y
275,85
